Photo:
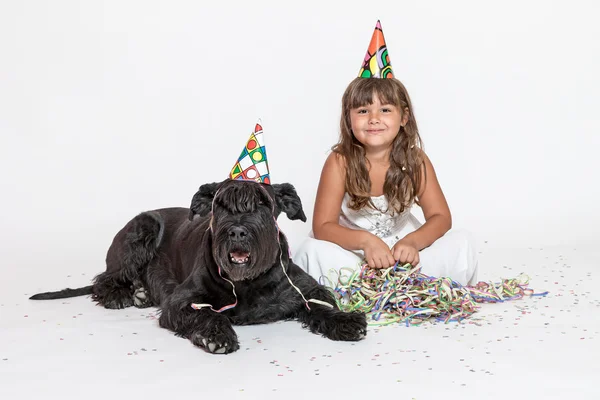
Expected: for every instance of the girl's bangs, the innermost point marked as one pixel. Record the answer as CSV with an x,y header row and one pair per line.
x,y
363,92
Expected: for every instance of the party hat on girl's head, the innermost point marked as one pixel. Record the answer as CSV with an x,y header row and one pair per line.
x,y
377,60
252,163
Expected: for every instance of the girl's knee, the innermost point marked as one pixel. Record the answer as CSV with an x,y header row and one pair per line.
x,y
461,237
453,255
320,257
313,246
466,240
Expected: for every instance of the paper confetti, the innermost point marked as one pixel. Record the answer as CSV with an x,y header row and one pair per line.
x,y
403,294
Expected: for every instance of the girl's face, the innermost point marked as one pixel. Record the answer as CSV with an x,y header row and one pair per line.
x,y
376,125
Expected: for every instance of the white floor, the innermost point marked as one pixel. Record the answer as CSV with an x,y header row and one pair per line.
x,y
542,348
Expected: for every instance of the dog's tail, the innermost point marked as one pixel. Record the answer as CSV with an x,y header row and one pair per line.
x,y
63,294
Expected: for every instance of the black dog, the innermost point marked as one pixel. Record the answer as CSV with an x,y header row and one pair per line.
x,y
221,262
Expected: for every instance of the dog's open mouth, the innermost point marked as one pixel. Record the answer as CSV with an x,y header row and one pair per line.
x,y
239,257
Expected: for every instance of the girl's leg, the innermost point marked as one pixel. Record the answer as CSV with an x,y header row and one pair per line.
x,y
454,256
319,257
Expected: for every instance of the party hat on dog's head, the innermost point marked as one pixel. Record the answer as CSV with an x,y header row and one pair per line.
x,y
252,163
377,60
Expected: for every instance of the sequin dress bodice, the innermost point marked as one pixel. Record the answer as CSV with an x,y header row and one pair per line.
x,y
380,221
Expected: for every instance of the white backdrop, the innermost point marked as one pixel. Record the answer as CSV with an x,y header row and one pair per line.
x,y
109,108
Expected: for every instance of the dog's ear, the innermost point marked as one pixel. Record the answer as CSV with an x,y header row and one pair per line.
x,y
288,201
202,200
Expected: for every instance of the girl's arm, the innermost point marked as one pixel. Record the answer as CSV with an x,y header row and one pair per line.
x,y
326,216
438,219
328,204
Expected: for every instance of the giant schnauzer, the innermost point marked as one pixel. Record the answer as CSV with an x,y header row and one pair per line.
x,y
223,261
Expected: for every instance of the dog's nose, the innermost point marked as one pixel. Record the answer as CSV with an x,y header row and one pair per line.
x,y
237,233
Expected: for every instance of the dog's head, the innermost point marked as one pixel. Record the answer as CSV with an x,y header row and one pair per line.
x,y
286,200
245,236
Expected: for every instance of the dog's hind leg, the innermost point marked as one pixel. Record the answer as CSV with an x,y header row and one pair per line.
x,y
134,247
112,291
159,283
141,296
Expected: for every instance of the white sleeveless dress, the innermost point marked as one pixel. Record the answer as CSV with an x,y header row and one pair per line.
x,y
453,255
389,228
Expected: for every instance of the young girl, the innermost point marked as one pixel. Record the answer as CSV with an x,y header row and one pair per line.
x,y
369,183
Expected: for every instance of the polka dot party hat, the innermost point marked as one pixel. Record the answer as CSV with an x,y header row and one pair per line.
x,y
377,60
252,163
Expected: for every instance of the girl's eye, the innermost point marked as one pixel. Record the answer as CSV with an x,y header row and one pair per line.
x,y
361,111
386,110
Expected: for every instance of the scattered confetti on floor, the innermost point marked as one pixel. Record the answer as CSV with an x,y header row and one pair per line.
x,y
496,347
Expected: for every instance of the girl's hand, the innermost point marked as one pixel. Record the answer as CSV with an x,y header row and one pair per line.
x,y
377,252
405,252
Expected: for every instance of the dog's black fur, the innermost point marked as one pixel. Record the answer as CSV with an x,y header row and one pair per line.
x,y
173,257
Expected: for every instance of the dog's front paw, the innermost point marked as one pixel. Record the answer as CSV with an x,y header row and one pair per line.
x,y
220,340
343,326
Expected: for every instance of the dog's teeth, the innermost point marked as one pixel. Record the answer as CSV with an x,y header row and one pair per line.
x,y
212,346
204,342
221,350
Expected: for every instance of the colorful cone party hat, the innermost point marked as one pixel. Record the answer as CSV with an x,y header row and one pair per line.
x,y
377,60
252,164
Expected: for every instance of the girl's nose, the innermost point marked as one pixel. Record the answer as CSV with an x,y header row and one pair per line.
x,y
374,118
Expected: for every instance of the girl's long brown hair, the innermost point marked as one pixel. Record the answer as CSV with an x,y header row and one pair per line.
x,y
400,186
